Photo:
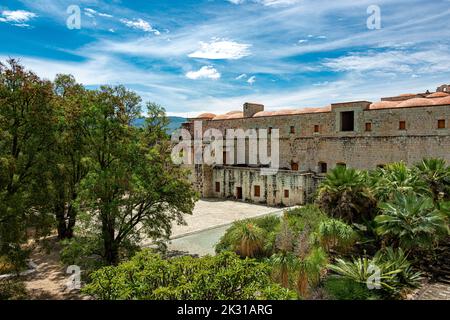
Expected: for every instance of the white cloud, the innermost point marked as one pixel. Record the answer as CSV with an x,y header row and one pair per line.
x,y
91,13
278,2
251,80
140,24
206,72
394,61
268,2
221,49
17,17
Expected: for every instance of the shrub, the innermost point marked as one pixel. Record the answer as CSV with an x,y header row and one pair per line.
x,y
411,222
266,226
345,194
395,272
148,276
335,234
12,289
340,288
309,215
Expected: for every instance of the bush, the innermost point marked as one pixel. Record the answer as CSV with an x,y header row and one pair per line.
x,y
309,215
266,226
12,289
395,271
83,252
340,288
335,234
222,277
412,222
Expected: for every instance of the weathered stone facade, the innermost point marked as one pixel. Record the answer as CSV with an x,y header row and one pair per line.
x,y
359,134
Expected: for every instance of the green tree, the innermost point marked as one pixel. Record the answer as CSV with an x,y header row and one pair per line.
x,y
436,175
26,133
132,189
411,222
344,194
69,162
395,178
247,238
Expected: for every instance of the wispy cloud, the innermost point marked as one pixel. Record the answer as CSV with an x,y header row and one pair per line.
x,y
92,13
205,72
221,49
267,2
17,18
393,61
140,24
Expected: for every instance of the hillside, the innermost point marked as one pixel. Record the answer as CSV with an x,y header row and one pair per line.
x,y
175,123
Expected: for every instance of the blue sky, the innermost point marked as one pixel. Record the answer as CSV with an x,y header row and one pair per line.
x,y
193,56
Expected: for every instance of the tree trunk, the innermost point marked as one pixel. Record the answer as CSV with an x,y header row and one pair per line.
x,y
60,212
111,246
111,252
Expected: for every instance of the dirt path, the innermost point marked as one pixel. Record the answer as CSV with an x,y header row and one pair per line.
x,y
49,280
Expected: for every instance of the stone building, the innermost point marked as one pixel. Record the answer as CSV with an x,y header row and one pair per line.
x,y
357,134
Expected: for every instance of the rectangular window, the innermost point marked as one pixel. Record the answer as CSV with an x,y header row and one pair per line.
x,y
402,125
224,157
286,193
269,131
316,128
257,191
323,167
441,124
368,126
348,121
341,164
294,166
292,129
217,186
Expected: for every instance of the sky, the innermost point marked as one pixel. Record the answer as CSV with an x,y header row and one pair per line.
x,y
194,56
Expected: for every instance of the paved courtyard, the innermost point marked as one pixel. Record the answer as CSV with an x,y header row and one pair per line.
x,y
213,213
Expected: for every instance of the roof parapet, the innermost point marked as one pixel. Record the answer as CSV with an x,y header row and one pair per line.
x,y
250,109
353,104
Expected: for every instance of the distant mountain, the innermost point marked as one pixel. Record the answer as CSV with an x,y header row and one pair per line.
x,y
175,123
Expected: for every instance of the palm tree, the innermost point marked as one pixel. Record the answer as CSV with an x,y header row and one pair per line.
x,y
394,178
248,239
309,270
344,194
411,221
436,174
283,263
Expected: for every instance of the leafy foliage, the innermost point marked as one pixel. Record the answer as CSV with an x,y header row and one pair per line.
x,y
411,222
436,175
395,272
344,194
340,288
26,122
223,277
396,178
335,234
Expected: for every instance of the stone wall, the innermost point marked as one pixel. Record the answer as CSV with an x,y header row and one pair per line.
x,y
360,149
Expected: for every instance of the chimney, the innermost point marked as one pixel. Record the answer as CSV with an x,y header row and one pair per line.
x,y
251,108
